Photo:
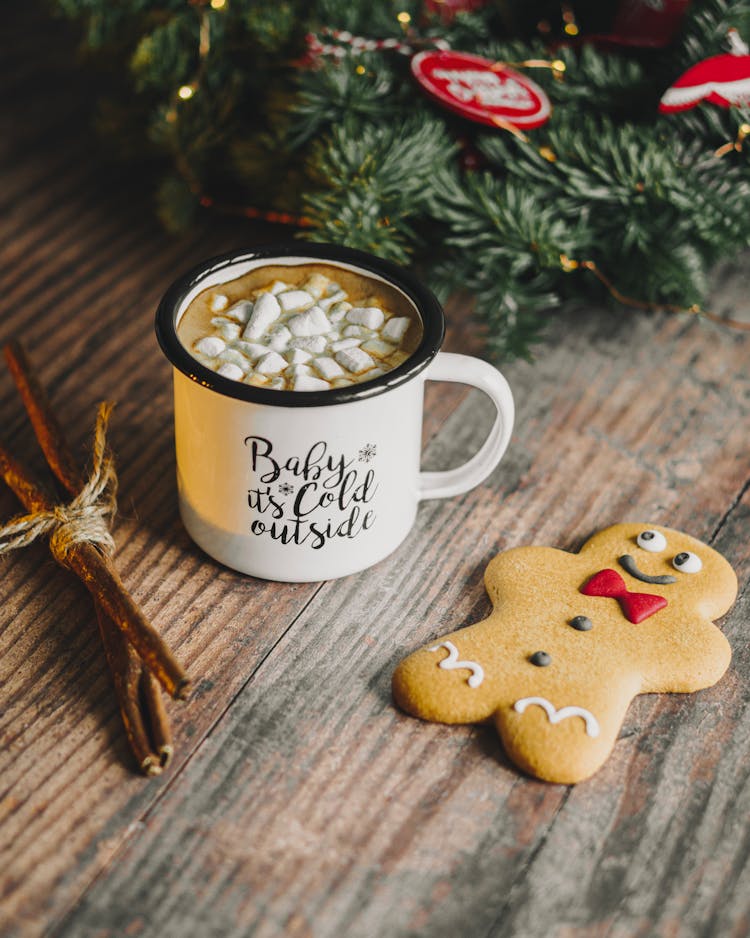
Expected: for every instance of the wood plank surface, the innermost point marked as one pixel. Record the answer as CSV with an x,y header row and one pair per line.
x,y
301,802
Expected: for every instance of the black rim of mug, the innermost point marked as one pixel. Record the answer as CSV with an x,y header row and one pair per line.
x,y
426,304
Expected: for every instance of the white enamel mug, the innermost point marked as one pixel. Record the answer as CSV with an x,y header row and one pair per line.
x,y
303,486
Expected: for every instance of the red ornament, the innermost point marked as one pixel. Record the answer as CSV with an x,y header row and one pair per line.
x,y
647,23
447,9
722,80
481,90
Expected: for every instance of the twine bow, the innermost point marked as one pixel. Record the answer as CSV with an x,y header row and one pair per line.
x,y
84,519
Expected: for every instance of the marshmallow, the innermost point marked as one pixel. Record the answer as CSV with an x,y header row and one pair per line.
x,y
279,340
277,384
251,350
354,360
307,383
316,285
271,364
241,311
265,311
338,311
344,343
294,371
210,345
342,383
298,356
218,302
230,330
313,322
395,329
294,300
278,286
377,348
315,343
328,301
258,381
356,330
229,370
328,368
235,357
370,316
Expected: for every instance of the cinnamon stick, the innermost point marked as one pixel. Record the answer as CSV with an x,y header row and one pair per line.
x,y
100,578
134,684
127,670
46,426
98,575
160,729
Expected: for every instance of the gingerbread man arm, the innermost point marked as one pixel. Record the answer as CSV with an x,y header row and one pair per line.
x,y
684,659
443,683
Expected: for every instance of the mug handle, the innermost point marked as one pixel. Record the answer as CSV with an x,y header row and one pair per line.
x,y
464,369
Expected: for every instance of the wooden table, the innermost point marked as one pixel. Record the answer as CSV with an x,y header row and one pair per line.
x,y
301,802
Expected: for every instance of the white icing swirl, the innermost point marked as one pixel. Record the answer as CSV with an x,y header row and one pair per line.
x,y
451,663
555,716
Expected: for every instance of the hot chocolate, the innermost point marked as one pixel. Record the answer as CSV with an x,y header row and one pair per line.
x,y
302,327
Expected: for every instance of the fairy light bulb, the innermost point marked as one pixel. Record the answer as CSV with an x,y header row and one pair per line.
x,y
185,92
567,264
218,4
404,18
570,21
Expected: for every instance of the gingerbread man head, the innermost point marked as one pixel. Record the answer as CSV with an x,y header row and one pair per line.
x,y
572,638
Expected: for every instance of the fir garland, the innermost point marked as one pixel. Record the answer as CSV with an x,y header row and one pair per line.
x,y
225,94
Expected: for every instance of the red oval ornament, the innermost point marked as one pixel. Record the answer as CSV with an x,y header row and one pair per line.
x,y
481,90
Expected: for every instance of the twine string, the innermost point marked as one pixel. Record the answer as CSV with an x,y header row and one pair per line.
x,y
85,519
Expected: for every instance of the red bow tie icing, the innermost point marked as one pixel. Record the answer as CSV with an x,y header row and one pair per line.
x,y
635,606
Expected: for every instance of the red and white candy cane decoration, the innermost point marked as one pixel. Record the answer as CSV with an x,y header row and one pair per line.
x,y
359,44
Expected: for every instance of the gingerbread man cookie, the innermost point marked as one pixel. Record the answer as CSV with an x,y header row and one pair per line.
x,y
572,638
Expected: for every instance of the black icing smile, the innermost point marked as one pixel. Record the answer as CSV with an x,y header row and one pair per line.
x,y
628,564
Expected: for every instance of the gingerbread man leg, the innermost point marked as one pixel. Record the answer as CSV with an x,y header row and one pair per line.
x,y
567,739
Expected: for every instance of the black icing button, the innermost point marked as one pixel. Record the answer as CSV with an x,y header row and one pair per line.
x,y
541,659
582,623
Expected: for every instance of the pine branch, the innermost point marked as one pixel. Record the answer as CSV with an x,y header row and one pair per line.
x,y
351,142
373,184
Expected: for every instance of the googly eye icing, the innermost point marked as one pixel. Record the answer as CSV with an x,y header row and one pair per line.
x,y
653,541
686,562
